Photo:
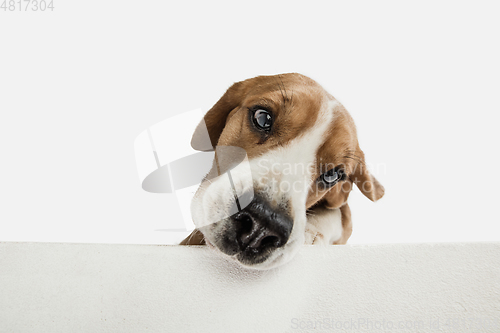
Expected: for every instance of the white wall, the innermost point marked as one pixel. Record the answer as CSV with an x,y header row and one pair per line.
x,y
78,84
140,288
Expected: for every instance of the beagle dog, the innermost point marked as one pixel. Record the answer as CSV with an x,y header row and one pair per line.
x,y
303,159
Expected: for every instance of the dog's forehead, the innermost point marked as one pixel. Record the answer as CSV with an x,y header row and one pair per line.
x,y
297,102
340,142
282,90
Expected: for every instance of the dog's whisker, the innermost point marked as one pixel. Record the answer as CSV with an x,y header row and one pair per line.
x,y
353,153
281,90
284,89
355,159
353,156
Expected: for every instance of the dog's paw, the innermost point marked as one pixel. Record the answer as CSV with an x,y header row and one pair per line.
x,y
313,236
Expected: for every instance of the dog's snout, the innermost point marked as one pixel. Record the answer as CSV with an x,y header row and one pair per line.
x,y
254,235
260,228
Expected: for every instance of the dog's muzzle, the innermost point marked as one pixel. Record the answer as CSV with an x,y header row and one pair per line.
x,y
252,234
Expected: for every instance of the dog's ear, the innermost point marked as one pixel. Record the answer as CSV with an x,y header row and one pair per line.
x,y
208,131
337,196
364,180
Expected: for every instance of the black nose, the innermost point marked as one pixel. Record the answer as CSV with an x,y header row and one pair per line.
x,y
258,227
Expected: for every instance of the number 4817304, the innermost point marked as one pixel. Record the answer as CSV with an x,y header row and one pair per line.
x,y
27,5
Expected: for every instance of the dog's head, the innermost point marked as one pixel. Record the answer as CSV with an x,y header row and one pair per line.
x,y
302,150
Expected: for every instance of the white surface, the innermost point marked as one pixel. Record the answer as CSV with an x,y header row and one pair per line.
x,y
78,84
144,288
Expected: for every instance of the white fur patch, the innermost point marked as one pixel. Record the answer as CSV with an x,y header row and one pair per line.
x,y
324,226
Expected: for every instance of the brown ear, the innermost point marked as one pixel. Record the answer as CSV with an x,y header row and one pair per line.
x,y
208,131
367,184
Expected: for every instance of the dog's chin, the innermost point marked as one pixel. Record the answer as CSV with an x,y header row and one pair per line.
x,y
277,258
265,261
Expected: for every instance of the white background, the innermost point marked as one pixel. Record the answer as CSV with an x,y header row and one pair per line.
x,y
78,84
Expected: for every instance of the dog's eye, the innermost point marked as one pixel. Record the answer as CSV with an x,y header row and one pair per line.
x,y
262,119
331,177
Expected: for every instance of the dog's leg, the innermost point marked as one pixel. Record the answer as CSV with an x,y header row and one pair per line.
x,y
195,238
328,226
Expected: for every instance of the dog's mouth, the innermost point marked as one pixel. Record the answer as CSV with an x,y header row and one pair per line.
x,y
253,255
253,235
255,250
250,258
